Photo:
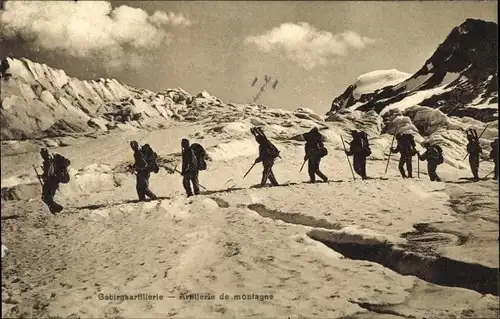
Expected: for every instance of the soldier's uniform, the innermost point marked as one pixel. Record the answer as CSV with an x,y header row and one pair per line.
x,y
142,172
50,182
189,169
267,163
431,155
358,150
474,150
313,147
407,151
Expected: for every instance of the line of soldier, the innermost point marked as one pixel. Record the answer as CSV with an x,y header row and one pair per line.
x,y
194,156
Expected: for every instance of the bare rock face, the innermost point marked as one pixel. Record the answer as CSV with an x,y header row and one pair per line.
x,y
460,79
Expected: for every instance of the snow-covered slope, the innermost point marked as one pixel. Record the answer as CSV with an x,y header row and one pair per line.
x,y
289,241
367,86
460,78
378,252
372,81
38,101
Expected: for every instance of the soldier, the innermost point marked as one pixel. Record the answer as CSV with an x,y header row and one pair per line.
x,y
50,181
434,157
189,169
406,147
315,150
4,67
494,157
474,150
360,150
142,172
267,154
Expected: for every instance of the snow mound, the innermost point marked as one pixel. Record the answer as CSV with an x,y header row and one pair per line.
x,y
401,125
227,130
16,180
426,119
205,98
347,120
305,113
89,179
234,149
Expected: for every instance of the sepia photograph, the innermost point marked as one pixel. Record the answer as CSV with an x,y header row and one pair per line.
x,y
249,159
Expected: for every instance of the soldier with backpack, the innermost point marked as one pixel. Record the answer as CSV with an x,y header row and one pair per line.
x,y
434,157
4,67
193,161
406,147
315,151
55,171
494,157
360,150
144,164
267,155
474,150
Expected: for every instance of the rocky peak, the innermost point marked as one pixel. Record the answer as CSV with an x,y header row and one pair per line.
x,y
471,46
460,78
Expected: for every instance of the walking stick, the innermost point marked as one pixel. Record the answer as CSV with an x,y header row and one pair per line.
x,y
348,160
493,171
196,183
390,152
418,167
38,176
249,170
40,180
303,165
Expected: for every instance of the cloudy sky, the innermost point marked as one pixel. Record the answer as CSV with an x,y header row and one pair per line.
x,y
315,49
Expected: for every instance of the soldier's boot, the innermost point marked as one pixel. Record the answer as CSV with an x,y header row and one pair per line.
x,y
150,194
55,208
187,186
322,176
409,166
196,186
401,166
272,179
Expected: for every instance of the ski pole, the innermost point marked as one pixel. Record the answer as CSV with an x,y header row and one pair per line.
x,y
39,179
38,176
418,167
348,160
493,171
196,183
303,165
390,152
249,170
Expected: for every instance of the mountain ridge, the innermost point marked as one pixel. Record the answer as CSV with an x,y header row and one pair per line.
x,y
39,101
460,78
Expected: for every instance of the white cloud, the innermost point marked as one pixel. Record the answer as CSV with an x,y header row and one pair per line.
x,y
305,45
85,29
160,17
